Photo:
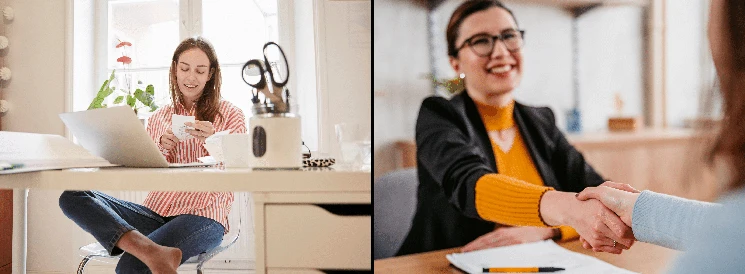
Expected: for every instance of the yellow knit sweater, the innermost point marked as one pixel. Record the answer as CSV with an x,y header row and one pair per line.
x,y
512,196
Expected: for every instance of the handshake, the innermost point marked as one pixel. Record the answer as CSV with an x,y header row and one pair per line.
x,y
600,215
620,199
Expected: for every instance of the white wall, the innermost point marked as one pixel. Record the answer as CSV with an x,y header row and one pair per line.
x,y
345,67
401,60
37,94
689,67
611,49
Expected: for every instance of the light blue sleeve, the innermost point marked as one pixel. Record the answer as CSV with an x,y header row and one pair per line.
x,y
667,220
719,243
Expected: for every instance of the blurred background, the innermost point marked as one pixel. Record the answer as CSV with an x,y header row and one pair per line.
x,y
625,79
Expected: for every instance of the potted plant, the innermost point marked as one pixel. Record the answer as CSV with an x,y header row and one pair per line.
x,y
136,99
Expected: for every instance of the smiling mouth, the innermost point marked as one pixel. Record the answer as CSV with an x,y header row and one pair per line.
x,y
501,69
190,86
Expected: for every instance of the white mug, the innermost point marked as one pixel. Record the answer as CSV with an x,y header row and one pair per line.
x,y
236,150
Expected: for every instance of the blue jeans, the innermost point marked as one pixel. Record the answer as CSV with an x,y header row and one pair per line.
x,y
108,218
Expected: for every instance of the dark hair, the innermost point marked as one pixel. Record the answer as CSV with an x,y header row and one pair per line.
x,y
207,104
731,139
461,13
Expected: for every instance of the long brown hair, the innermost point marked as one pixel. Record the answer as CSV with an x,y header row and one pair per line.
x,y
207,104
461,13
731,140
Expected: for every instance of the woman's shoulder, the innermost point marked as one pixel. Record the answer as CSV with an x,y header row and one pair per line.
x,y
537,114
163,110
226,106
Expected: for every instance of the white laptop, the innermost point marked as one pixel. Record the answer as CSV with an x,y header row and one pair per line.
x,y
117,135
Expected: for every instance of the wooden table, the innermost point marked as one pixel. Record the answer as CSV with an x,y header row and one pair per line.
x,y
642,258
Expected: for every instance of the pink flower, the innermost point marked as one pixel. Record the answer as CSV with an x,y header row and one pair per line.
x,y
123,44
124,59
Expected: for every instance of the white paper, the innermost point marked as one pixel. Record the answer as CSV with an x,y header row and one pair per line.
x,y
44,152
538,254
207,160
178,127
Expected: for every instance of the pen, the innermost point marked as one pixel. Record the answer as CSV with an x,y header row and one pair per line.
x,y
521,269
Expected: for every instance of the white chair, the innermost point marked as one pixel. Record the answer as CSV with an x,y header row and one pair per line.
x,y
95,251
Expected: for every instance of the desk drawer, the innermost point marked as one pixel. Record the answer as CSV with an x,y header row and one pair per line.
x,y
310,236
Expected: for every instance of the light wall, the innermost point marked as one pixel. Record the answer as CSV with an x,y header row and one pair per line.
x,y
401,61
610,58
38,93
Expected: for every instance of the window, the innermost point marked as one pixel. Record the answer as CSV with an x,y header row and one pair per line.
x,y
237,29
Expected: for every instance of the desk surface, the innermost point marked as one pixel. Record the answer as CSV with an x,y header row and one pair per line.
x,y
191,179
642,258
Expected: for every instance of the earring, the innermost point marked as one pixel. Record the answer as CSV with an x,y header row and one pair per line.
x,y
462,76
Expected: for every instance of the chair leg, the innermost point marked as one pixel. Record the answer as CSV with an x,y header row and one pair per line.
x,y
199,268
82,264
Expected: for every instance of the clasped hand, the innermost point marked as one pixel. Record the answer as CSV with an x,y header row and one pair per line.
x,y
617,197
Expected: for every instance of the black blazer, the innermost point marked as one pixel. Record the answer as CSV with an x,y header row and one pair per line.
x,y
454,151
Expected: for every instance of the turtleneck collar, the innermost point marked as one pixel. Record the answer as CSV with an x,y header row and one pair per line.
x,y
497,118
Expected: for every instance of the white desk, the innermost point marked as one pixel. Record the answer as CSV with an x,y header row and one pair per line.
x,y
293,234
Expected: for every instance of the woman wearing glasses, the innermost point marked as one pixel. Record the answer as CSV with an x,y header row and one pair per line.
x,y
488,165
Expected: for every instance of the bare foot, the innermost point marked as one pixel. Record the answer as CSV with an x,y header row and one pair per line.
x,y
163,260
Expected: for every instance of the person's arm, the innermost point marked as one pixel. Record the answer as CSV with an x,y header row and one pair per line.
x,y
448,155
667,220
655,218
235,120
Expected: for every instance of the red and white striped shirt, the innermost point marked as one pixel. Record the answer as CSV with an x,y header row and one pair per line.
x,y
213,205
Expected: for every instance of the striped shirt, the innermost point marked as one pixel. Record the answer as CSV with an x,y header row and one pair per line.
x,y
213,205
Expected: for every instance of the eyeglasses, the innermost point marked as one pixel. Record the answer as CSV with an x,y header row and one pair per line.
x,y
483,44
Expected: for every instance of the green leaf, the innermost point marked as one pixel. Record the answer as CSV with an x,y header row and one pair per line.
x,y
145,97
119,99
96,103
131,101
103,92
150,90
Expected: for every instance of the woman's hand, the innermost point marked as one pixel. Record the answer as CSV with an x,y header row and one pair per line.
x,y
202,129
615,196
504,236
598,225
168,140
619,198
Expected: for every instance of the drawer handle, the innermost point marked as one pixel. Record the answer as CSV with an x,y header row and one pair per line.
x,y
348,209
346,271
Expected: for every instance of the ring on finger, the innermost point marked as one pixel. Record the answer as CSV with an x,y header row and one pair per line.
x,y
614,243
